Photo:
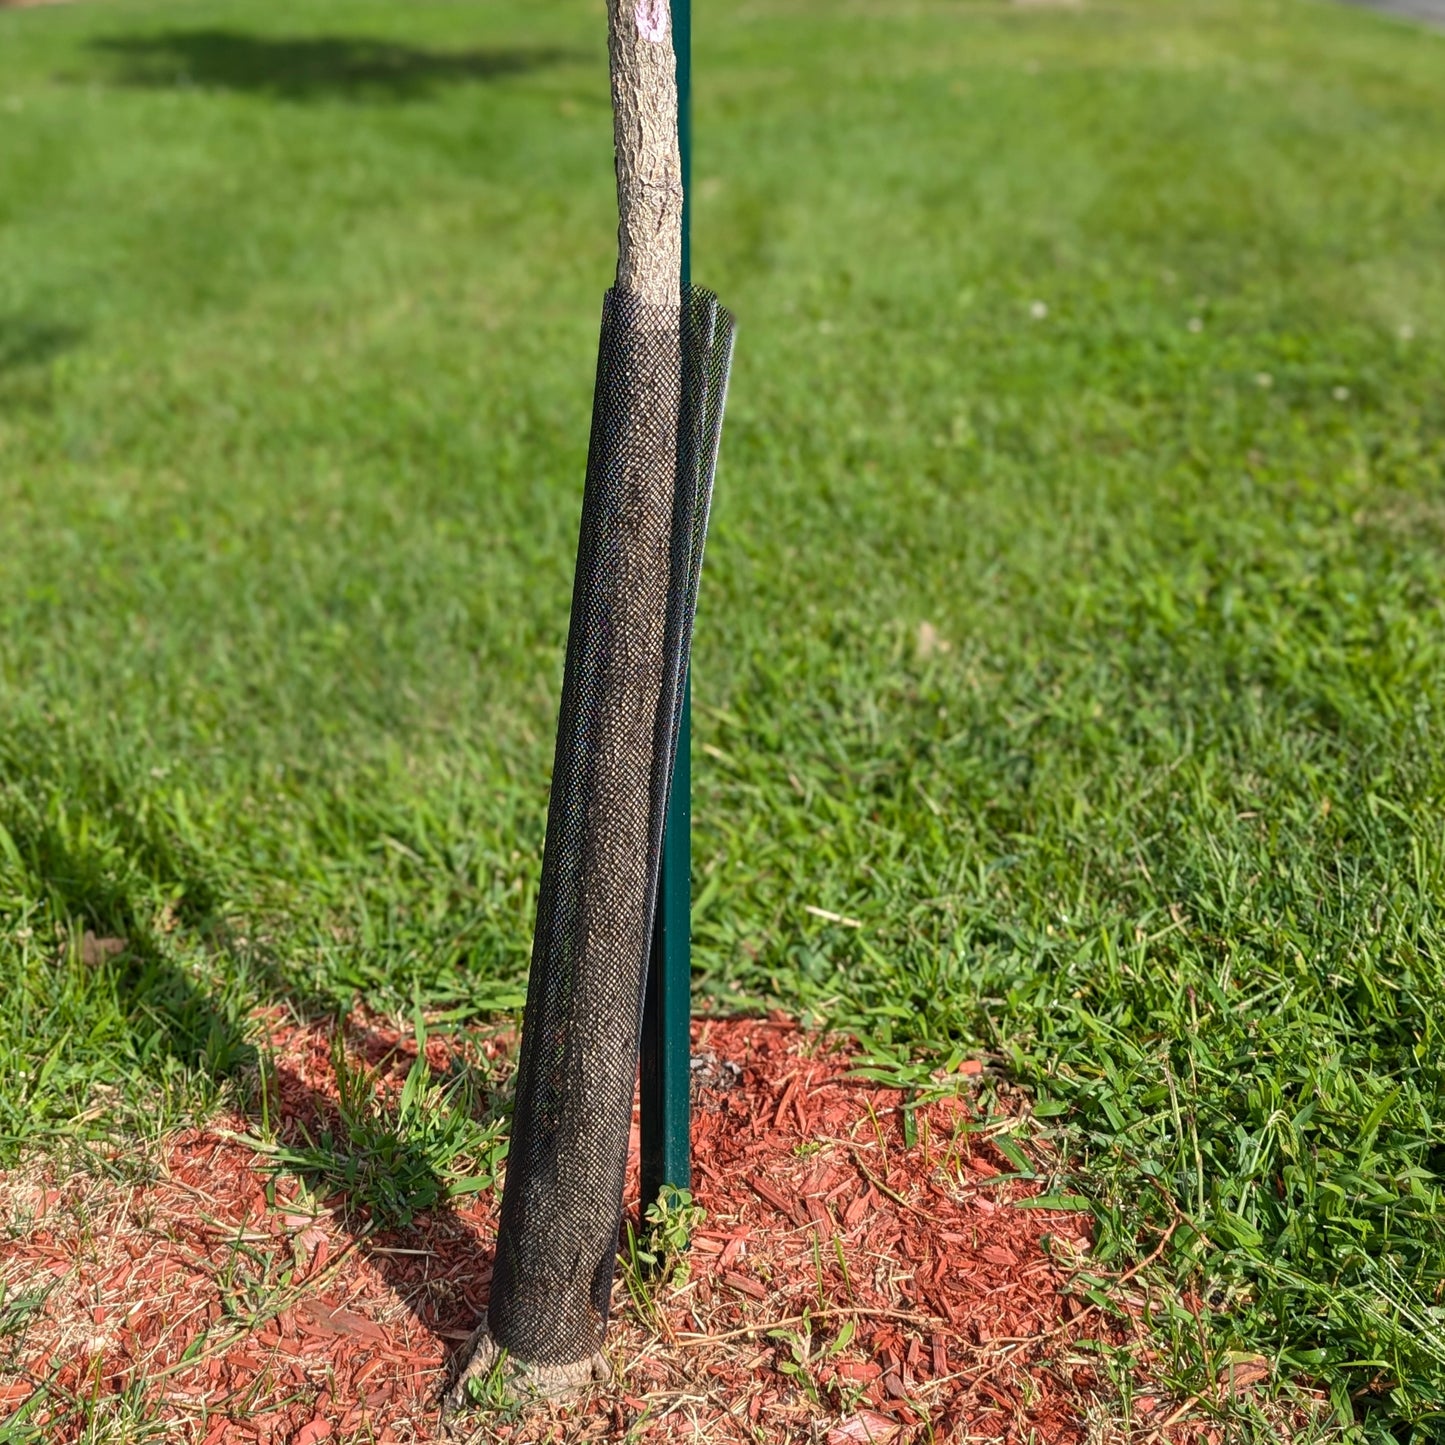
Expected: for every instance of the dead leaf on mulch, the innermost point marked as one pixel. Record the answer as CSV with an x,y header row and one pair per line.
x,y
864,1426
1243,1372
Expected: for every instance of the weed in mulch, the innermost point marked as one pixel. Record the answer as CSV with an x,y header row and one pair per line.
x,y
852,1265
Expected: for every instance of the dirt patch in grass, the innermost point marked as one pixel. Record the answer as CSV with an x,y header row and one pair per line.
x,y
866,1270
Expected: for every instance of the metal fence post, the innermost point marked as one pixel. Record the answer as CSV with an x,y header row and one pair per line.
x,y
666,1124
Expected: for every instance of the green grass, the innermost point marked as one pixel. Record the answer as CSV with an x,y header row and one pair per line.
x,y
391,1155
1108,343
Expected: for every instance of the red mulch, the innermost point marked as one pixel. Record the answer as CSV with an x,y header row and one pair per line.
x,y
919,1293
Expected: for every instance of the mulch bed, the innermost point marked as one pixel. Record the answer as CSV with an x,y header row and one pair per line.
x,y
854,1279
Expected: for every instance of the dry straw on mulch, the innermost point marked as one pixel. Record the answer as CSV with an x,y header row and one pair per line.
x,y
852,1280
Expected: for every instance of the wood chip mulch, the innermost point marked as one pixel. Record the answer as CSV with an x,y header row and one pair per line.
x,y
860,1276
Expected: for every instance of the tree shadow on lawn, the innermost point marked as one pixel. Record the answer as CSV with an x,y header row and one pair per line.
x,y
26,340
169,1014
27,345
320,1101
378,1156
313,67
384,1173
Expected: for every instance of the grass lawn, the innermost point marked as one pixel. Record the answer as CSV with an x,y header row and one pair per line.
x,y
1072,617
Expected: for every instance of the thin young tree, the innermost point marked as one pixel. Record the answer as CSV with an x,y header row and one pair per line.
x,y
636,579
649,163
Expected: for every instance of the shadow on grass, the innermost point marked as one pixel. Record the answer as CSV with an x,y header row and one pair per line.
x,y
385,1163
312,67
27,341
27,344
167,1014
390,1148
351,1108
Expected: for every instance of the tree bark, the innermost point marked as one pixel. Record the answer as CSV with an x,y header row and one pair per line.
x,y
561,1208
649,164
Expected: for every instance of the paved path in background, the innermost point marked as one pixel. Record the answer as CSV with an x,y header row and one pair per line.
x,y
1428,12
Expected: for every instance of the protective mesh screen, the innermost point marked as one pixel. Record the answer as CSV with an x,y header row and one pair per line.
x,y
656,423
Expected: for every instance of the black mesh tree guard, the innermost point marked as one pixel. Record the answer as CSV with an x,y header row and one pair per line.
x,y
657,419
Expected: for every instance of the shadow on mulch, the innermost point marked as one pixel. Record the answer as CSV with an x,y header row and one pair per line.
x,y
870,1267
324,1147
173,1018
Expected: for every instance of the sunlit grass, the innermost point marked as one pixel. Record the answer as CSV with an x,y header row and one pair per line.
x,y
1072,616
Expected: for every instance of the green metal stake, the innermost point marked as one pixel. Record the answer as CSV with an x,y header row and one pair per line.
x,y
667,1015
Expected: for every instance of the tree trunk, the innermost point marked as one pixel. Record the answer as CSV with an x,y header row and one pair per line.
x,y
649,164
577,1073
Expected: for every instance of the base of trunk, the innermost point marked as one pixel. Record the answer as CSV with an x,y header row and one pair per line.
x,y
515,1379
